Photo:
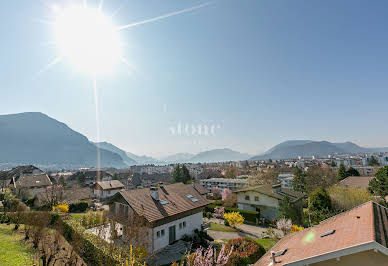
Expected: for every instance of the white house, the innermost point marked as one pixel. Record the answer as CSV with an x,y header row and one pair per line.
x,y
222,183
285,180
104,189
266,199
171,211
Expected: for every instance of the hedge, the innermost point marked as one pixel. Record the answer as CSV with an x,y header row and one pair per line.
x,y
93,249
78,207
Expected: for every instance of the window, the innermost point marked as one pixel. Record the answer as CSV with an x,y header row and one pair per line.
x,y
158,234
163,202
184,224
247,197
180,225
162,232
256,198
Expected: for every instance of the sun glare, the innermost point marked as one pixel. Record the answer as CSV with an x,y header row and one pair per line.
x,y
87,39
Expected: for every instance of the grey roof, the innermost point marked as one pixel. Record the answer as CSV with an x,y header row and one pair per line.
x,y
77,194
113,184
30,181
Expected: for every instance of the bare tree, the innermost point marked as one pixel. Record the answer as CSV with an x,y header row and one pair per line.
x,y
53,195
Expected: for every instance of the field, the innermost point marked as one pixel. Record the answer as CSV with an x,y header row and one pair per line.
x,y
267,243
221,228
13,250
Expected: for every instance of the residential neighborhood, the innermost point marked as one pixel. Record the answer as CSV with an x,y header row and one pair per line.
x,y
193,133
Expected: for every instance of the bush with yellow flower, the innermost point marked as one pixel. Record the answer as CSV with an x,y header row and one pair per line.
x,y
234,218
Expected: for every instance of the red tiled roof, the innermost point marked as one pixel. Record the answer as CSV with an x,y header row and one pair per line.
x,y
175,194
356,181
367,223
201,189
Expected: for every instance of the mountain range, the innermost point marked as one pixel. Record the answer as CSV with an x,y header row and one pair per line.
x,y
308,148
35,138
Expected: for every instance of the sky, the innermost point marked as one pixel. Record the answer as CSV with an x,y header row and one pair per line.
x,y
254,72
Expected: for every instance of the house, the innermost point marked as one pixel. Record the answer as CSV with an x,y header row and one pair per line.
x,y
29,185
170,211
222,183
356,181
286,180
104,189
67,196
356,237
266,199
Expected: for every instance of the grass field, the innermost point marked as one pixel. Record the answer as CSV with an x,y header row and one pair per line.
x,y
221,228
13,250
267,243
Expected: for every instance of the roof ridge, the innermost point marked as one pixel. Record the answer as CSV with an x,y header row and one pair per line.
x,y
356,207
312,227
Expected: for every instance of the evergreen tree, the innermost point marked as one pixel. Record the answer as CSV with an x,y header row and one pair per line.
x,y
379,185
299,181
319,200
186,178
341,174
181,174
291,211
373,161
352,172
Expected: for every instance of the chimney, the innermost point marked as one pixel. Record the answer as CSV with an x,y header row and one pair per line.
x,y
273,258
154,193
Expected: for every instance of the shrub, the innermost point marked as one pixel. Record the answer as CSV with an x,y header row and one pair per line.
x,y
226,194
93,219
218,213
208,257
210,208
62,208
234,218
344,199
245,251
78,207
90,247
284,225
249,216
295,228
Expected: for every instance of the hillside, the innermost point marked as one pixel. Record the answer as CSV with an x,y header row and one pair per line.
x,y
178,158
219,155
141,160
110,147
35,138
307,148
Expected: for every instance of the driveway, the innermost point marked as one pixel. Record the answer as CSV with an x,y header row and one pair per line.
x,y
246,230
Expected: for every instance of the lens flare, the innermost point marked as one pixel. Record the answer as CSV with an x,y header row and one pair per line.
x,y
87,39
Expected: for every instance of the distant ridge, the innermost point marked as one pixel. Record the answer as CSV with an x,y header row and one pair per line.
x,y
219,155
292,149
110,147
35,138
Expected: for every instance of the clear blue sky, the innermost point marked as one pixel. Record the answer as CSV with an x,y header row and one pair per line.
x,y
265,71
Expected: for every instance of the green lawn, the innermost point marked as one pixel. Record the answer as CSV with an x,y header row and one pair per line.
x,y
77,215
267,243
221,228
13,249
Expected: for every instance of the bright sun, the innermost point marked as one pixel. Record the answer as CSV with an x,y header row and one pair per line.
x,y
87,39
